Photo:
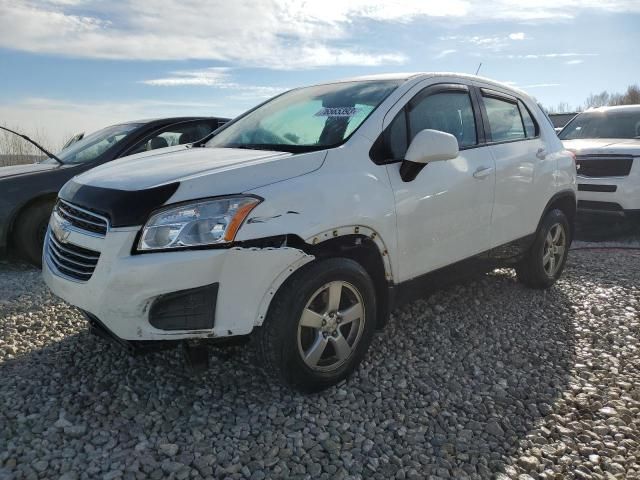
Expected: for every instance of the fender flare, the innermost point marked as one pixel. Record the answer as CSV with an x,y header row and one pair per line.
x,y
365,231
305,258
265,303
567,193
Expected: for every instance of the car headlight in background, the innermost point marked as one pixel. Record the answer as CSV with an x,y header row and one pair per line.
x,y
205,222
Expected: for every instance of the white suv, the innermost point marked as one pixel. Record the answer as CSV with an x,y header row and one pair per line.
x,y
606,142
305,220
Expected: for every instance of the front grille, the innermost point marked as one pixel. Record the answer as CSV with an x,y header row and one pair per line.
x,y
71,260
604,165
82,218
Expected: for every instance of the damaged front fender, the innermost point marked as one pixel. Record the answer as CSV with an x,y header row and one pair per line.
x,y
250,278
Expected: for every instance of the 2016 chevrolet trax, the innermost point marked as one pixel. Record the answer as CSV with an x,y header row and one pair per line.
x,y
299,223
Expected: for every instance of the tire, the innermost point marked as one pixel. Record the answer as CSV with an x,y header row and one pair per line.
x,y
337,346
537,270
29,231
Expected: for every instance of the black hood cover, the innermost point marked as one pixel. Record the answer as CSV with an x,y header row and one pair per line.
x,y
124,208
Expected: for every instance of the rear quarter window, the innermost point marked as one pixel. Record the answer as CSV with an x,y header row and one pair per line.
x,y
531,128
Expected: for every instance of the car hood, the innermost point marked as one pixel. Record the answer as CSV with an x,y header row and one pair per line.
x,y
609,146
27,169
233,170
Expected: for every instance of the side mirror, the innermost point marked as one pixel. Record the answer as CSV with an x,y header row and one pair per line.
x,y
426,147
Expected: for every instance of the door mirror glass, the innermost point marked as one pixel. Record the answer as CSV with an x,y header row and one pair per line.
x,y
432,146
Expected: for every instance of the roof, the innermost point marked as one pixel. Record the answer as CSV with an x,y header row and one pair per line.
x,y
171,119
417,75
617,108
145,122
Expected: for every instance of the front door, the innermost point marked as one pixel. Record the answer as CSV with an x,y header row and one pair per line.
x,y
444,214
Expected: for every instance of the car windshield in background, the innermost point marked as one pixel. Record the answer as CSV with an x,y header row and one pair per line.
x,y
94,145
618,124
307,119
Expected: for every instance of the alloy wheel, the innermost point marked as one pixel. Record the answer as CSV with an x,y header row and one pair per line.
x,y
331,326
555,245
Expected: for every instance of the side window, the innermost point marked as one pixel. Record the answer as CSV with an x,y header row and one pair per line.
x,y
395,137
530,126
504,120
449,112
176,134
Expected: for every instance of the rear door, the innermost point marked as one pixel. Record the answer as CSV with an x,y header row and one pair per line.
x,y
523,166
444,214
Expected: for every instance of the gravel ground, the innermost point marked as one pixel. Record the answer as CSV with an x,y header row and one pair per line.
x,y
481,380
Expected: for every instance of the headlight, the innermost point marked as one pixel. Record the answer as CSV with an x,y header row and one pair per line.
x,y
206,222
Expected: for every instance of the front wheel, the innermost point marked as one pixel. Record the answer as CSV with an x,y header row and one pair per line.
x,y
30,230
547,256
319,326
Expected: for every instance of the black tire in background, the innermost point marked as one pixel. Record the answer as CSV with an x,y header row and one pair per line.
x,y
282,338
30,229
535,269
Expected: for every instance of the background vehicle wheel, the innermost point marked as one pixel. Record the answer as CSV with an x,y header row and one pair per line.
x,y
319,325
547,256
30,229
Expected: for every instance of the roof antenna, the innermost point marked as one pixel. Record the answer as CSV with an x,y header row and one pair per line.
x,y
478,69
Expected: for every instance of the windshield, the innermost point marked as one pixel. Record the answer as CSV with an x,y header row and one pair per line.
x,y
94,145
306,119
620,124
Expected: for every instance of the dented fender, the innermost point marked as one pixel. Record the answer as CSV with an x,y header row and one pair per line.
x,y
258,270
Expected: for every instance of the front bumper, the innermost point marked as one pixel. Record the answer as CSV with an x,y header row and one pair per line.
x,y
133,347
123,287
610,195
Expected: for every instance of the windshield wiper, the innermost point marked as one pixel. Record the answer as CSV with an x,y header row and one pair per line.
x,y
38,146
254,146
275,147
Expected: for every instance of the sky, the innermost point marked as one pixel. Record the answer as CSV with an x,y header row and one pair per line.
x,y
68,66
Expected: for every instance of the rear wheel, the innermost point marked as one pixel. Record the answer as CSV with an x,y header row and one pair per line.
x,y
30,229
546,259
319,326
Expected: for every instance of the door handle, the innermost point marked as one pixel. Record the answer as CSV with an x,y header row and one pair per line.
x,y
482,172
541,153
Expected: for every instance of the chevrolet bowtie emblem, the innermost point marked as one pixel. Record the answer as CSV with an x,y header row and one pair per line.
x,y
60,228
63,235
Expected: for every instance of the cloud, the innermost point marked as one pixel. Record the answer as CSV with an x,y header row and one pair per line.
x,y
489,42
208,77
261,33
444,53
552,55
574,62
217,77
266,33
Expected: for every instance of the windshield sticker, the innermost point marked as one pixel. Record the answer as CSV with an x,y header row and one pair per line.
x,y
338,112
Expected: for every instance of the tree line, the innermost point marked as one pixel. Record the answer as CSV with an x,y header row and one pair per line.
x,y
602,99
15,150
